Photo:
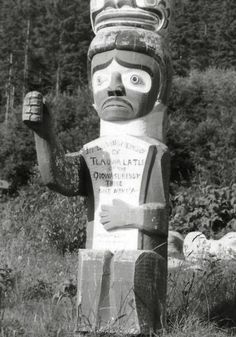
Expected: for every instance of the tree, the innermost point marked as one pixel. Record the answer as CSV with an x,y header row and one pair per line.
x,y
75,39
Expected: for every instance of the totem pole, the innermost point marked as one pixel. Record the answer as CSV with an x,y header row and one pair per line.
x,y
124,173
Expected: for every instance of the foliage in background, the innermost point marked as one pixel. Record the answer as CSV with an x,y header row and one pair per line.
x,y
202,133
76,121
17,153
39,219
203,35
208,209
48,41
202,142
75,124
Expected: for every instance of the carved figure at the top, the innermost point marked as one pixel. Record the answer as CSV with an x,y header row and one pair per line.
x,y
153,15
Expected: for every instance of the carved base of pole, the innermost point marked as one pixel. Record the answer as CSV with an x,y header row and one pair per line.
x,y
121,293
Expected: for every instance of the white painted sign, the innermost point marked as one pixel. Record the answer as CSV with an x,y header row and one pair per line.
x,y
116,167
4,184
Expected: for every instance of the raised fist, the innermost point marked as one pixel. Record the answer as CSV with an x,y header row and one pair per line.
x,y
35,113
33,107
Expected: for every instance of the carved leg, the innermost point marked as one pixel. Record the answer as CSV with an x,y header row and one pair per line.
x,y
93,290
138,291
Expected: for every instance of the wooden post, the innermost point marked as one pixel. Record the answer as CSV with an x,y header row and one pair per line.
x,y
122,274
129,166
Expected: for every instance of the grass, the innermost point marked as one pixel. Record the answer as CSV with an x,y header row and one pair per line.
x,y
199,303
203,299
27,306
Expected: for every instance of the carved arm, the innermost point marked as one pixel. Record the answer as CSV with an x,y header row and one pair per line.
x,y
61,173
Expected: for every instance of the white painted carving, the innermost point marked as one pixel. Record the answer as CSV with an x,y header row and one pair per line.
x,y
196,246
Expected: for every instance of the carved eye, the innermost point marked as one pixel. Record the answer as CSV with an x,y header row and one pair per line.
x,y
135,79
151,2
146,3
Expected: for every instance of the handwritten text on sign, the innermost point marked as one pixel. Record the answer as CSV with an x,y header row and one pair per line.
x,y
116,167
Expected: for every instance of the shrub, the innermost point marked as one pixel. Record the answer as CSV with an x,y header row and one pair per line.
x,y
39,218
202,134
38,291
17,153
64,222
205,208
76,121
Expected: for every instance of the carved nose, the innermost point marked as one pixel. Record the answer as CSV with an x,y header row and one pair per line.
x,y
116,87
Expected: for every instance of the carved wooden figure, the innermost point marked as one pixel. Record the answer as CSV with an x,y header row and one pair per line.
x,y
124,173
197,247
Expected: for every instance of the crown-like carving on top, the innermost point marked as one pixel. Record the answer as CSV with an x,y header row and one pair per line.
x,y
153,15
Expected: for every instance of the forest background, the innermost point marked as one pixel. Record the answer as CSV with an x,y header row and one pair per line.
x,y
43,46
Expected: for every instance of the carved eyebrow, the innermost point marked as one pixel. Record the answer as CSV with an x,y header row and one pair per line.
x,y
124,64
102,66
135,66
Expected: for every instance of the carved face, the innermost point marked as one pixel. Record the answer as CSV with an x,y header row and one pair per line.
x,y
125,84
148,14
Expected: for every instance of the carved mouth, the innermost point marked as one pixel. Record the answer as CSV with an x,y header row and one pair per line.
x,y
129,17
116,103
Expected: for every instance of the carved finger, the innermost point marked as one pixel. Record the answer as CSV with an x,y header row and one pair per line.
x,y
105,208
105,221
33,98
108,226
103,214
111,226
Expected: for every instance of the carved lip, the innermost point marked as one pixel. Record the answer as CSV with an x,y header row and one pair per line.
x,y
116,102
129,17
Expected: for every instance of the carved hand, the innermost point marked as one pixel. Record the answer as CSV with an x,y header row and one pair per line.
x,y
149,218
35,114
115,216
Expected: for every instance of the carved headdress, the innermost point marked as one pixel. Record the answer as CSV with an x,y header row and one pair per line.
x,y
153,15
